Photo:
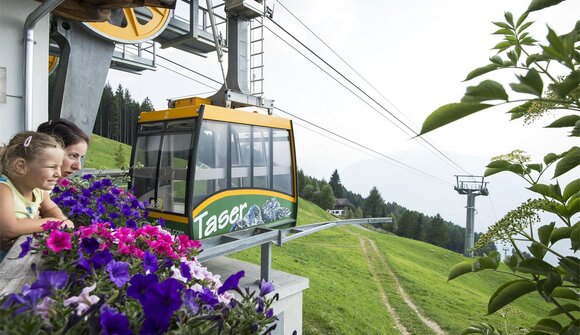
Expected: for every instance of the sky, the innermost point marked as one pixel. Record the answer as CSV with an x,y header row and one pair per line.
x,y
416,54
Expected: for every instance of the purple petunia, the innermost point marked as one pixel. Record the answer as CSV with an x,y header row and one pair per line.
x,y
113,322
90,245
161,300
139,285
231,283
101,258
150,262
266,287
185,271
118,272
50,280
25,246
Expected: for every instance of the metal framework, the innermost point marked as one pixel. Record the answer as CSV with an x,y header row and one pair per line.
x,y
471,186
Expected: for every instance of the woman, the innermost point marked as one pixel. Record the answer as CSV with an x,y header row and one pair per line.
x,y
76,143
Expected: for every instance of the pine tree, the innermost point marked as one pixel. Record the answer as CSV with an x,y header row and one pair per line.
x,y
373,206
120,159
437,232
336,185
324,197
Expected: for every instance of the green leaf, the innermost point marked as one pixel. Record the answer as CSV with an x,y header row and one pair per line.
x,y
541,4
512,262
486,90
570,160
575,236
535,266
517,169
544,233
450,113
560,233
550,158
572,267
499,164
533,58
572,188
495,59
573,206
553,280
488,172
521,110
486,263
513,56
503,31
557,45
501,46
548,325
509,292
565,308
502,25
565,121
459,270
535,167
565,293
563,88
509,18
525,26
531,83
576,131
537,250
482,70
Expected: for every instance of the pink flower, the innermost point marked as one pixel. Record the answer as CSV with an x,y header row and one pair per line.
x,y
64,182
58,241
51,225
87,231
185,243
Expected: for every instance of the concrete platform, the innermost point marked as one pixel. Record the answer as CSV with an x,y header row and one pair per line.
x,y
289,287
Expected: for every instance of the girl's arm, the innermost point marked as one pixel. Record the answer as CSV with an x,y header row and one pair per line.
x,y
49,211
10,227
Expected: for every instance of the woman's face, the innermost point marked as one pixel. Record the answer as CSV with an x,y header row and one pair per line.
x,y
73,154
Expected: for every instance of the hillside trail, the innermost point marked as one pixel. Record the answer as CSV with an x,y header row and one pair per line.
x,y
382,293
406,298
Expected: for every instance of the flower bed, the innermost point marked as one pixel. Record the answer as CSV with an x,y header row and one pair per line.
x,y
118,274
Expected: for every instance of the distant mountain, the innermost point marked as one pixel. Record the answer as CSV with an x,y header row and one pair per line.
x,y
430,195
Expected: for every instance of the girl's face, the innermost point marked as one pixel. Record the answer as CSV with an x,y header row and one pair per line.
x,y
44,171
73,154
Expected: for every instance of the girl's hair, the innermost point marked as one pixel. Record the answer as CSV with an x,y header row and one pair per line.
x,y
27,145
68,132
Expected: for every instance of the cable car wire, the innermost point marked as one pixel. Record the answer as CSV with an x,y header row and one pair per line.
x,y
417,171
343,60
416,135
351,91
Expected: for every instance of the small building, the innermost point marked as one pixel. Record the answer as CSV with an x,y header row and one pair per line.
x,y
340,205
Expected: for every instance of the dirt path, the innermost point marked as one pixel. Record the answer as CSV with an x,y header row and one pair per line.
x,y
428,322
384,298
376,254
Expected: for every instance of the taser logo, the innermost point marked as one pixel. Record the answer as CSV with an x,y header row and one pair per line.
x,y
219,221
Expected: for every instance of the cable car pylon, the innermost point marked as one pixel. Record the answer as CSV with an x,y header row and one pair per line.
x,y
472,186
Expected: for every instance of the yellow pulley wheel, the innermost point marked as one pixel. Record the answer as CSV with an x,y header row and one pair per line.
x,y
52,63
134,27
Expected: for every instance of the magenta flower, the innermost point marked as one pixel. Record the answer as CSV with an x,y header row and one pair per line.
x,y
51,225
64,182
58,241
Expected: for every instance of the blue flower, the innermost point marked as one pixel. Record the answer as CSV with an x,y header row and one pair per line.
x,y
106,182
50,280
131,224
90,245
118,272
140,284
101,258
208,297
25,246
266,287
150,262
88,176
126,210
231,283
185,271
114,323
189,301
162,300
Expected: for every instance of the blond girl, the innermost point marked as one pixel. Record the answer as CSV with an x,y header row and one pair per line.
x,y
30,167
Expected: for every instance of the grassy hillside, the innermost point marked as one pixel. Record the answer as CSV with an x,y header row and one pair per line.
x,y
102,151
343,299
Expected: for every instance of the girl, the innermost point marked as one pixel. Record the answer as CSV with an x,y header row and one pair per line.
x,y
29,166
76,143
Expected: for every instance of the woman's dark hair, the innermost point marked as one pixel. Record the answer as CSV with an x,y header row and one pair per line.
x,y
68,132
